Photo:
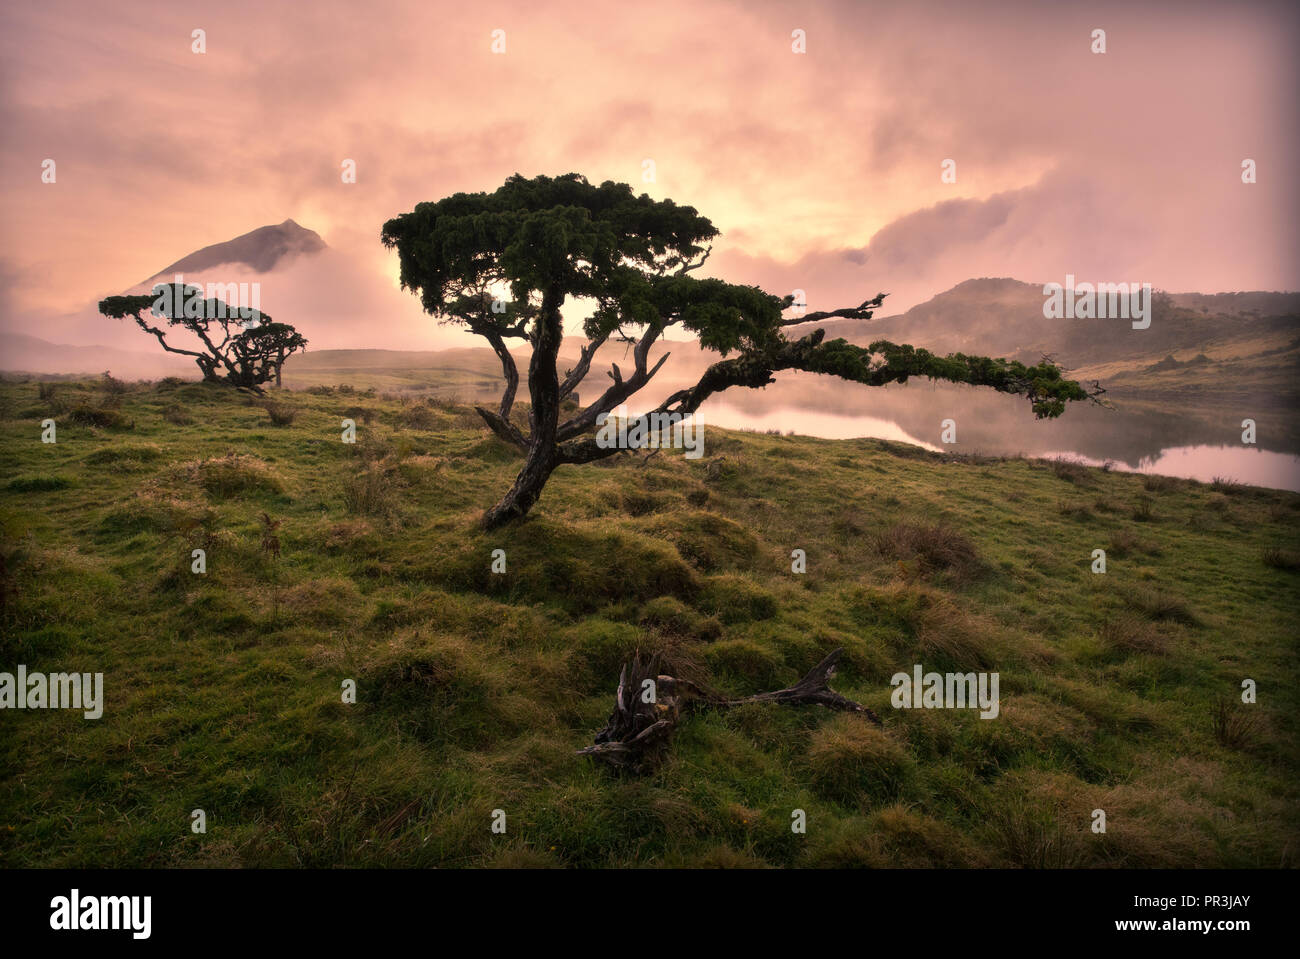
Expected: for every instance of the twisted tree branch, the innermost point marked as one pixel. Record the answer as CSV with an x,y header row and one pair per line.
x,y
638,731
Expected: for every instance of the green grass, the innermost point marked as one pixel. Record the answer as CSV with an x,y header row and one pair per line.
x,y
1119,691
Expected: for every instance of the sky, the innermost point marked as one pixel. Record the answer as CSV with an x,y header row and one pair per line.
x,y
822,169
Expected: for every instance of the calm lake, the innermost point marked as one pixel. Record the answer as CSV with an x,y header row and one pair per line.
x,y
1179,441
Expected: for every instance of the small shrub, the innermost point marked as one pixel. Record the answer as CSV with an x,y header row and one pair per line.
x,y
113,387
1223,484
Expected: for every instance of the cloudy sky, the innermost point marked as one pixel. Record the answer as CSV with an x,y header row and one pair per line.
x,y
822,169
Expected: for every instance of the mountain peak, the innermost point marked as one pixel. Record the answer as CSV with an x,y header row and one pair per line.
x,y
260,250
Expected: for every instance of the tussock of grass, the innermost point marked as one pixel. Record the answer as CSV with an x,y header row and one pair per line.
x,y
127,455
751,667
1144,509
84,414
708,541
1125,542
949,638
935,548
1070,471
370,492
1077,511
177,415
1154,483
231,475
1233,726
851,762
1160,604
1032,837
1127,635
736,599
671,615
280,414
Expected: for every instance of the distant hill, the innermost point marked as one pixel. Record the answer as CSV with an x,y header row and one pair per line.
x,y
20,353
260,250
1004,317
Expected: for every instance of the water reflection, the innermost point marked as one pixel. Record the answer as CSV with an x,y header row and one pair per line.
x,y
1192,437
1254,467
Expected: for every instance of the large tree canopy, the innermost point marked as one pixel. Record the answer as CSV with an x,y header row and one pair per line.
x,y
503,264
240,346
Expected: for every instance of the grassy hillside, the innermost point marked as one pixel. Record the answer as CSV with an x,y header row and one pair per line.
x,y
1119,691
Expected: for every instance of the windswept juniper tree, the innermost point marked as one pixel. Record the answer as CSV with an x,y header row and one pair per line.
x,y
503,264
240,346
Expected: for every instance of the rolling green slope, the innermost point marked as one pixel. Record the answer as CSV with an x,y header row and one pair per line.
x,y
1119,691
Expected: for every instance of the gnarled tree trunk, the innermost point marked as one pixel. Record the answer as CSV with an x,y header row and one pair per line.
x,y
544,417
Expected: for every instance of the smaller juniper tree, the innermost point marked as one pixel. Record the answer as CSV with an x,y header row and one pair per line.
x,y
240,346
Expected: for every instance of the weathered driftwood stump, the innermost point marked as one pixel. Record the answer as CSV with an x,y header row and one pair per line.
x,y
648,707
